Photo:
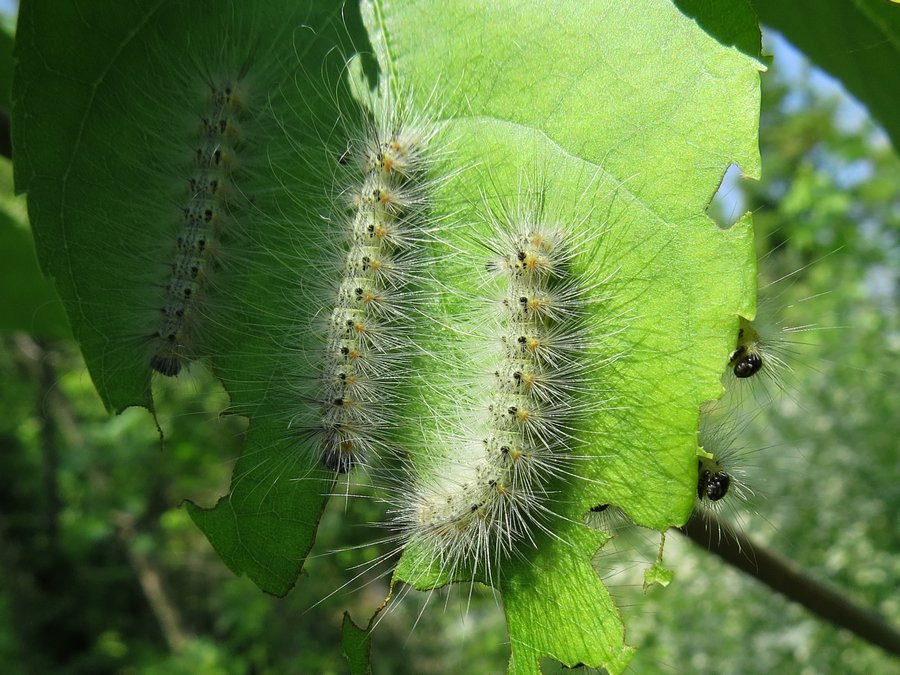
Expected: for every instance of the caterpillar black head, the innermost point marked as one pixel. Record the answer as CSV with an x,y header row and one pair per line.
x,y
745,363
747,358
712,480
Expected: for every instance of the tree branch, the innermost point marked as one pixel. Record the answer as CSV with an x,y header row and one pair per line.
x,y
790,580
165,611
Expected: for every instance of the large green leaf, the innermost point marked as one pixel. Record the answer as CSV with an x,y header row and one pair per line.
x,y
637,107
107,107
857,41
628,116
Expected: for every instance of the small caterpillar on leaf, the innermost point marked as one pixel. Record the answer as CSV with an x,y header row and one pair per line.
x,y
765,346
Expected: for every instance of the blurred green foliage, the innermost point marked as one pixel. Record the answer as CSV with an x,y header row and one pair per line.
x,y
102,571
92,521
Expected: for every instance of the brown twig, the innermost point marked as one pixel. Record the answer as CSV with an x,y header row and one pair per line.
x,y
165,611
790,580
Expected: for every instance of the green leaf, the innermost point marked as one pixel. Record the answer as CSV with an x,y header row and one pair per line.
x,y
640,109
857,41
657,575
356,643
107,109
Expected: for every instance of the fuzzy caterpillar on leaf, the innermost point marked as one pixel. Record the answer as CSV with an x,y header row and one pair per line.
x,y
519,353
368,340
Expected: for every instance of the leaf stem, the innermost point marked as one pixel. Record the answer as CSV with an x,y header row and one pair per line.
x,y
790,580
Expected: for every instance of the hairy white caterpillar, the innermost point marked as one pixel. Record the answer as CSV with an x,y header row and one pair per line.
x,y
762,355
367,343
204,211
755,354
516,399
